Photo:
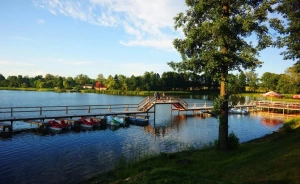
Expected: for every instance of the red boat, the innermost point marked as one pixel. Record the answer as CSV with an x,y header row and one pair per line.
x,y
64,125
54,125
88,123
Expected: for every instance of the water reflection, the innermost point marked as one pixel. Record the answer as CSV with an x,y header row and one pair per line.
x,y
33,155
97,150
267,121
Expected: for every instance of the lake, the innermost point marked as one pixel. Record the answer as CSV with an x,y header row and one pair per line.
x,y
34,156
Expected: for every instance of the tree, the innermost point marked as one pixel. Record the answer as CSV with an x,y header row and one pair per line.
x,y
290,9
122,82
49,77
33,80
150,81
2,81
242,82
58,82
231,84
289,82
269,81
82,79
134,83
252,80
12,81
25,82
215,42
100,78
110,82
68,83
168,81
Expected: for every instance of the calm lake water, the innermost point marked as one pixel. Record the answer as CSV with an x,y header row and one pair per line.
x,y
34,156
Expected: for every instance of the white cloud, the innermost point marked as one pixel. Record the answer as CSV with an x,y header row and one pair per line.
x,y
147,23
14,63
40,21
68,62
159,44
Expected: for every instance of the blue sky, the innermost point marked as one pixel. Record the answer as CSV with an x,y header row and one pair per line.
x,y
92,37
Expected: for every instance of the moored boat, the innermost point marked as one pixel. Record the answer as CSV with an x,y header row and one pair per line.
x,y
238,111
88,123
139,121
115,121
64,125
54,125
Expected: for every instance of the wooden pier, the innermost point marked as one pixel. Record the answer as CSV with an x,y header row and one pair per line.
x,y
5,126
71,114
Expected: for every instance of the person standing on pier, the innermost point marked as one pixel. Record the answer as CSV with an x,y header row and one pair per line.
x,y
155,95
163,96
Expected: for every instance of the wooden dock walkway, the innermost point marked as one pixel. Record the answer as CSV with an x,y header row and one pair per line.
x,y
5,126
38,115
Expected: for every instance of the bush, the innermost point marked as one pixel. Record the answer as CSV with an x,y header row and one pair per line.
x,y
233,141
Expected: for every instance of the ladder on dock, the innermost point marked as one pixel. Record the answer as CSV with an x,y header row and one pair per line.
x,y
146,104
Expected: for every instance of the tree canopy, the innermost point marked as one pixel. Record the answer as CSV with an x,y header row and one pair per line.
x,y
210,27
290,9
215,42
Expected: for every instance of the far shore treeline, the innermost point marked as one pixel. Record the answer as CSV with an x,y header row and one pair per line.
x,y
287,83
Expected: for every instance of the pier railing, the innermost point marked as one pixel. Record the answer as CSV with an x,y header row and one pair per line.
x,y
6,112
148,102
183,103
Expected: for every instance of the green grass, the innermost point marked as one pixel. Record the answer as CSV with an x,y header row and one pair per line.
x,y
270,159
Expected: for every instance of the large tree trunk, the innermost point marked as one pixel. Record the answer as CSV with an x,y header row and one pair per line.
x,y
223,118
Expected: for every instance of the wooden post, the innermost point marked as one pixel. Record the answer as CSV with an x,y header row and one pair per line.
x,y
11,127
154,113
41,110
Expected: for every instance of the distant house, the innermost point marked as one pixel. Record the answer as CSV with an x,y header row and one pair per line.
x,y
99,86
88,86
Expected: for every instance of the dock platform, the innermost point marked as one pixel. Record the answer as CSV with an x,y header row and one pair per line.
x,y
71,114
5,126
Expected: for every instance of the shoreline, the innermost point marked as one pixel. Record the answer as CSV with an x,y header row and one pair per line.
x,y
252,162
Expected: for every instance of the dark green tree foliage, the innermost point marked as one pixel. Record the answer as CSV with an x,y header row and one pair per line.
x,y
236,83
290,9
100,78
82,79
150,81
122,82
12,81
269,81
3,82
58,82
231,84
171,81
111,82
68,83
241,82
215,42
289,82
252,80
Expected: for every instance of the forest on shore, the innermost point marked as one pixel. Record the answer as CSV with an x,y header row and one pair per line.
x,y
286,83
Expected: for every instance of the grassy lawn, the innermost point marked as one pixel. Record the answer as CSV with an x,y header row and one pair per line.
x,y
274,158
